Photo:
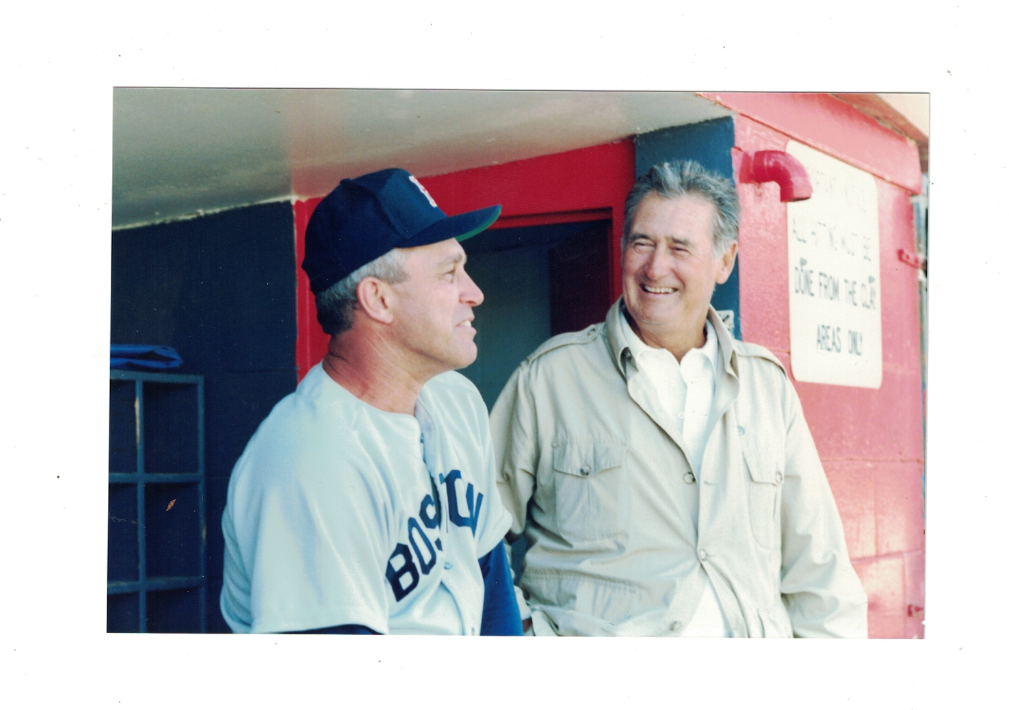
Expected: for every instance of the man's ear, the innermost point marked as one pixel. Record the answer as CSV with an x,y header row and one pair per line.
x,y
728,261
374,297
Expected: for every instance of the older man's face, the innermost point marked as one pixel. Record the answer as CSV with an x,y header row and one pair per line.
x,y
433,316
669,266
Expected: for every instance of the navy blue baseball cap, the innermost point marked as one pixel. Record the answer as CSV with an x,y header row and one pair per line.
x,y
366,217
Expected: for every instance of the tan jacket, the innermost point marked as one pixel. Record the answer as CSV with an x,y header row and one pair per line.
x,y
618,539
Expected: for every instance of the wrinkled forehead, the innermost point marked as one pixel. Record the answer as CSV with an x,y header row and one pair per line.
x,y
442,253
673,217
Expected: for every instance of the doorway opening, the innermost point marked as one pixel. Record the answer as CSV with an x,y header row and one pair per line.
x,y
538,281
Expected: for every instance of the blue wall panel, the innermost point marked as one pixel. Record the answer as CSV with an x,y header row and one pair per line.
x,y
710,144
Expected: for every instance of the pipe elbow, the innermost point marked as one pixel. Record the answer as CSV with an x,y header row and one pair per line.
x,y
780,167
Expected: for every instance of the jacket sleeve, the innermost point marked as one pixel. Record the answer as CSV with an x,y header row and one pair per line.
x,y
516,452
516,447
821,591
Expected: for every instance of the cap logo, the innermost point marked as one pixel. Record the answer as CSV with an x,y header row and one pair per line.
x,y
420,187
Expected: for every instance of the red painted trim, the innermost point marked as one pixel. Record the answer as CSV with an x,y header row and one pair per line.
x,y
835,127
556,218
311,342
575,186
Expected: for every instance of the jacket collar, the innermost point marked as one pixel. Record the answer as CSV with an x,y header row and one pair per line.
x,y
620,350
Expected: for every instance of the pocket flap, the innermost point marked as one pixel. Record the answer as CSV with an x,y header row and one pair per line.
x,y
764,460
578,459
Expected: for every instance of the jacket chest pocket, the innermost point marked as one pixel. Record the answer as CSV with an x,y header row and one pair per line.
x,y
765,464
588,490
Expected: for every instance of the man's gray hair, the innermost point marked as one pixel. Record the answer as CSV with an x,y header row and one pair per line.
x,y
688,177
335,306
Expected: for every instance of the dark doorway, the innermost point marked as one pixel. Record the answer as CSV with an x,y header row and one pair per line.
x,y
537,281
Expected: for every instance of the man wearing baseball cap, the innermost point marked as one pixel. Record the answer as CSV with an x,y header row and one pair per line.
x,y
365,502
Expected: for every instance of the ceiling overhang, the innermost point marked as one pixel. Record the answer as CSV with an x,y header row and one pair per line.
x,y
184,152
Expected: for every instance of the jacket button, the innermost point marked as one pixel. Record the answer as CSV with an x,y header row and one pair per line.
x,y
778,477
688,477
448,565
584,470
703,555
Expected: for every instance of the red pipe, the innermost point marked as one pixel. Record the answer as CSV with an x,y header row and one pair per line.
x,y
780,167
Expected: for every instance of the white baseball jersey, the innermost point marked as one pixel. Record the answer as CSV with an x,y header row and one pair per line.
x,y
340,513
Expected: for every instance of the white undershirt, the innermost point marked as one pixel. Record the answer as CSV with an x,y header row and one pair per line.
x,y
686,391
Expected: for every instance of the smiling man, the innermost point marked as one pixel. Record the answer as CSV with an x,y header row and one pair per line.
x,y
671,483
365,502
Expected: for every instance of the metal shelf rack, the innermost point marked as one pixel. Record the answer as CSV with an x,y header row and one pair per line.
x,y
157,511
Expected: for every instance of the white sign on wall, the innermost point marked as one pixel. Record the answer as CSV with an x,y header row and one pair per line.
x,y
833,267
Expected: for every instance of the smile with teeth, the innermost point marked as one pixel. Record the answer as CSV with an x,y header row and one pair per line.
x,y
657,289
467,323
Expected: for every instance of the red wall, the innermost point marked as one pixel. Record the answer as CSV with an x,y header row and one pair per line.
x,y
870,441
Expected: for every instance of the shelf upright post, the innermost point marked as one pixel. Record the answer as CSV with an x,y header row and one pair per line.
x,y
201,493
141,513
